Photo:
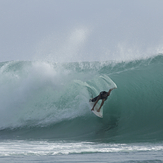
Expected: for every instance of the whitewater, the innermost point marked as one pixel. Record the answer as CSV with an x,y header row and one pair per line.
x,y
44,111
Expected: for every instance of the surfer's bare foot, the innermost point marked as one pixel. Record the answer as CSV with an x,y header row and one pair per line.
x,y
92,109
98,110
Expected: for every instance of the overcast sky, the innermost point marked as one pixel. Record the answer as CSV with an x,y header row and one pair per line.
x,y
80,30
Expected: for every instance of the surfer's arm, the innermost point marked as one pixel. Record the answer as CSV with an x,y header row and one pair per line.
x,y
110,91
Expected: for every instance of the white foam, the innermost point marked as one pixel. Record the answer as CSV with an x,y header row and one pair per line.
x,y
40,148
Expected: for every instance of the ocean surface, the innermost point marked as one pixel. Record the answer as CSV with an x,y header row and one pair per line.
x,y
45,113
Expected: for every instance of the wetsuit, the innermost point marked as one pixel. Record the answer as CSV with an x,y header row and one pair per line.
x,y
103,95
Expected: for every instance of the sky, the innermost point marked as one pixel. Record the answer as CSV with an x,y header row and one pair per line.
x,y
80,30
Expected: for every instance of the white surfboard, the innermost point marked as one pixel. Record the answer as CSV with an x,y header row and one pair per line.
x,y
99,114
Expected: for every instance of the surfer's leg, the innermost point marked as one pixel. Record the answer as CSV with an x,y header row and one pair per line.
x,y
98,98
101,105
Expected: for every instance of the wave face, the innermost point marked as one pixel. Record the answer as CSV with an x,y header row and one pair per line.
x,y
42,100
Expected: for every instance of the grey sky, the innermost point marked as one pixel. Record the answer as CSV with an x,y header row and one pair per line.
x,y
80,30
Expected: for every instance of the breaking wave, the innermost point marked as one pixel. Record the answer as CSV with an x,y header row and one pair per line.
x,y
43,100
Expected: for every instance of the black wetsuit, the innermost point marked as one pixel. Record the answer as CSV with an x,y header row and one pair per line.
x,y
103,95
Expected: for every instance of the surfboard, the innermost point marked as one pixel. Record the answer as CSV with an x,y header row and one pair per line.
x,y
99,114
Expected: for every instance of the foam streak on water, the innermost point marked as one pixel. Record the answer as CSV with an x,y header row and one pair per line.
x,y
40,148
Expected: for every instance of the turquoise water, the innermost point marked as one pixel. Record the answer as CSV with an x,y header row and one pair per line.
x,y
45,112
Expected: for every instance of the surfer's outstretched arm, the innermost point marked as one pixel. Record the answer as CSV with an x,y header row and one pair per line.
x,y
96,102
110,91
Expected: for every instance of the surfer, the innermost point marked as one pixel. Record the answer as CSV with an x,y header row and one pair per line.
x,y
102,96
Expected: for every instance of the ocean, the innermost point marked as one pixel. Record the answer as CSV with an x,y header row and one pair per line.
x,y
45,113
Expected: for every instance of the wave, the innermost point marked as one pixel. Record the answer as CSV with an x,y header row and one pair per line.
x,y
43,100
